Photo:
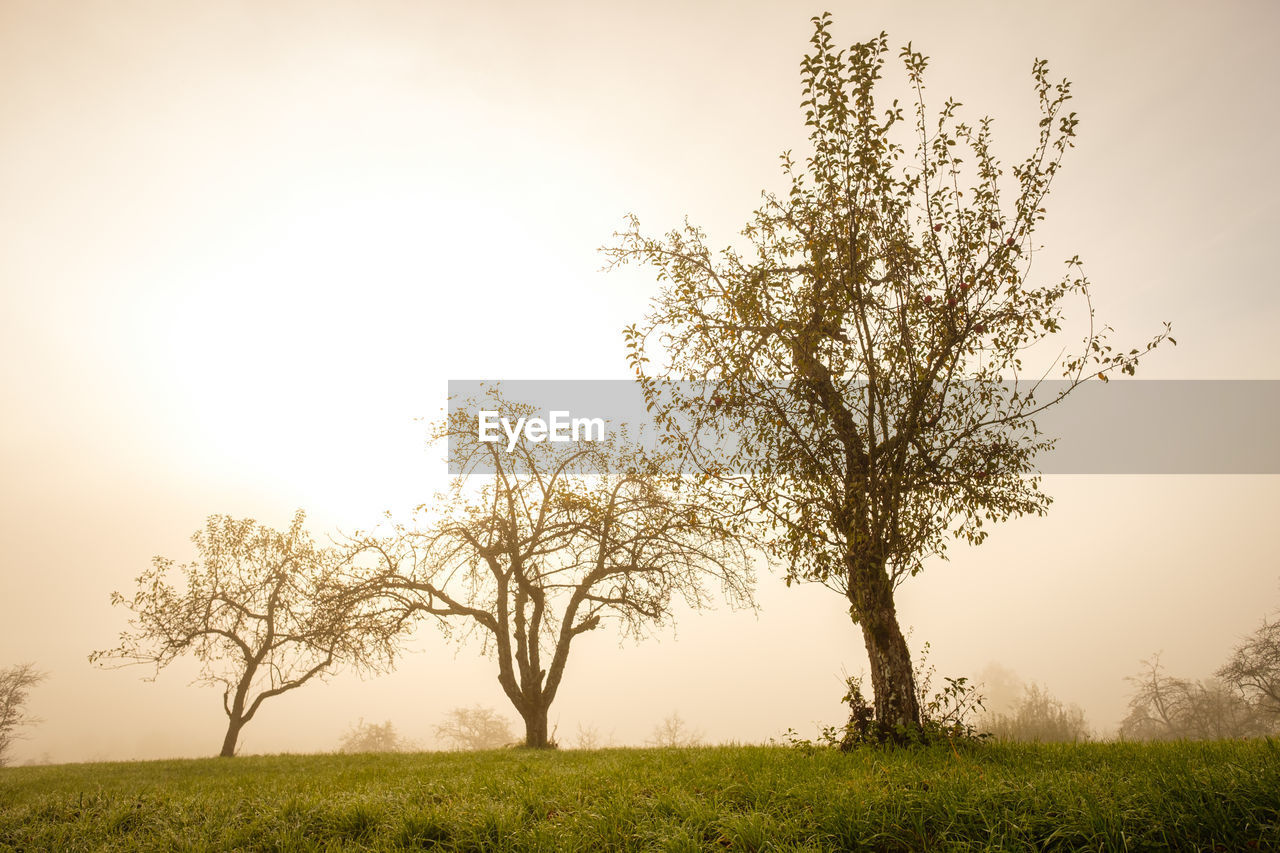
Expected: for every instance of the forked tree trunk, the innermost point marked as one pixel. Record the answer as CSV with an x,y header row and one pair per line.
x,y
535,725
235,712
897,710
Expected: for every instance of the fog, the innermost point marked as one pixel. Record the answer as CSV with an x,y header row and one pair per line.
x,y
247,245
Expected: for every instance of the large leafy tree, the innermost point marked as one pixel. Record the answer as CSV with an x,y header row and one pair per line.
x,y
264,611
865,341
534,547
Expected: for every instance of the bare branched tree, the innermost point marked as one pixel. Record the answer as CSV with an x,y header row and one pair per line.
x,y
1254,667
557,541
374,737
475,728
864,345
15,688
1158,705
1164,707
674,732
589,737
263,611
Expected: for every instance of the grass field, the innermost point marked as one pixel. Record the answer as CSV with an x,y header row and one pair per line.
x,y
1211,796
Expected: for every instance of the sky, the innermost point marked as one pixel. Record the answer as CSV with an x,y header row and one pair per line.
x,y
247,244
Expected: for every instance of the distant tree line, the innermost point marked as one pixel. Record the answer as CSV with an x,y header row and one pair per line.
x,y
479,728
1241,700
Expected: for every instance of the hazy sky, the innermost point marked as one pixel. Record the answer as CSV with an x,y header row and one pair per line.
x,y
246,245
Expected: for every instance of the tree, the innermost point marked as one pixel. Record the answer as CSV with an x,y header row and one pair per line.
x,y
374,737
1167,708
674,732
559,540
263,611
1157,708
1039,717
1254,668
866,344
475,728
15,687
589,737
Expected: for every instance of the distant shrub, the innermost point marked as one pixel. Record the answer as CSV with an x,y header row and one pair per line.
x,y
374,737
589,737
475,728
1038,717
673,731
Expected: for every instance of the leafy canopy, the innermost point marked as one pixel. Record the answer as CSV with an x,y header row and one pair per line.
x,y
870,346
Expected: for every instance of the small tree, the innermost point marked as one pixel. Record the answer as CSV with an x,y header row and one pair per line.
x,y
475,728
674,732
15,687
374,737
1158,706
864,347
1254,667
590,737
558,541
263,611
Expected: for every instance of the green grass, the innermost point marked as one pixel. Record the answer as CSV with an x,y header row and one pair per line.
x,y
1209,796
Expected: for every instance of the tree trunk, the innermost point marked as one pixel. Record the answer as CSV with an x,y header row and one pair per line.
x,y
897,710
235,711
535,726
892,680
233,734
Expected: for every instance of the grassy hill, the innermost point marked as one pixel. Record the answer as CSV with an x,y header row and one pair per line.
x,y
1209,796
